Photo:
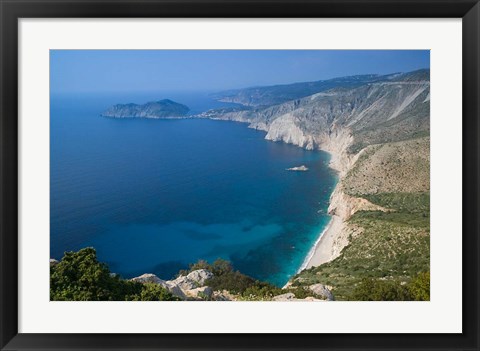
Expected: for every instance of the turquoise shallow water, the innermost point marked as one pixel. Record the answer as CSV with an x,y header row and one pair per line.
x,y
154,195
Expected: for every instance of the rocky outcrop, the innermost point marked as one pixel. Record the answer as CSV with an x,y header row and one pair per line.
x,y
202,293
148,278
193,280
189,287
322,291
290,297
284,297
224,295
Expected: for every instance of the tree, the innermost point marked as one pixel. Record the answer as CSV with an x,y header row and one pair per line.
x,y
154,292
79,276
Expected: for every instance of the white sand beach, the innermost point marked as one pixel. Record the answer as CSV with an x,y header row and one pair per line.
x,y
324,247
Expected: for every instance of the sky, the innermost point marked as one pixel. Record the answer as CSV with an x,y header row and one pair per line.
x,y
110,71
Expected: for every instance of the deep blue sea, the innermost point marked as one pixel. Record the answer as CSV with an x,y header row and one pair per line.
x,y
153,196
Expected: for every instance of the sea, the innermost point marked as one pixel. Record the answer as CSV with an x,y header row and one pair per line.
x,y
153,195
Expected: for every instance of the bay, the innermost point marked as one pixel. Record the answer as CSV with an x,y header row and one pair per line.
x,y
152,196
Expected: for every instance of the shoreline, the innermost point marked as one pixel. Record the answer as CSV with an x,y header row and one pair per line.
x,y
314,249
321,251
324,249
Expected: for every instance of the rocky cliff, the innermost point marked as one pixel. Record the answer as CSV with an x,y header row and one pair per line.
x,y
351,123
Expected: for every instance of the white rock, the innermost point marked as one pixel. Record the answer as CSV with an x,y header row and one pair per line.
x,y
152,278
321,290
204,293
193,280
148,278
284,297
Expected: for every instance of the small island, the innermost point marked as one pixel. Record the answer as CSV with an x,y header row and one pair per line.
x,y
157,109
301,168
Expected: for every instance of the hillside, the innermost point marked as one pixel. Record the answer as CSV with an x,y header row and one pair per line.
x,y
373,113
378,136
277,94
392,245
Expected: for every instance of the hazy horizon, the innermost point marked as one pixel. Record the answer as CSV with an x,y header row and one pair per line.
x,y
138,71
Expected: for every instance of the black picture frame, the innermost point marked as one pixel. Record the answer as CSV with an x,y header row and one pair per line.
x,y
11,11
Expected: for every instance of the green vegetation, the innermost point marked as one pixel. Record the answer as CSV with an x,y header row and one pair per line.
x,y
370,289
402,202
236,283
79,276
390,251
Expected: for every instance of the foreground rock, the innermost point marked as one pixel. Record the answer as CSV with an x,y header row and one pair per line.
x,y
291,297
189,287
193,280
322,291
203,293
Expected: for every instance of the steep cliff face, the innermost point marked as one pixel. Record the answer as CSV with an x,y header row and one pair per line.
x,y
373,113
285,128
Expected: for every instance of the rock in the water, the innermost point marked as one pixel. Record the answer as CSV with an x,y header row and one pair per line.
x,y
322,291
301,168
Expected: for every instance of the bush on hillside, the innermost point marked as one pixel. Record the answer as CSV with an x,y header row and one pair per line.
x,y
79,276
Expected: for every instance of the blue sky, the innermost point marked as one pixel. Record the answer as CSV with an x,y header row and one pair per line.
x,y
109,71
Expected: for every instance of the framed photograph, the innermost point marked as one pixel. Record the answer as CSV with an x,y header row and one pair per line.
x,y
239,175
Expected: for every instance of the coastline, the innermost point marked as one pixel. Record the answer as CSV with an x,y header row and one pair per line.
x,y
313,254
329,242
335,236
321,251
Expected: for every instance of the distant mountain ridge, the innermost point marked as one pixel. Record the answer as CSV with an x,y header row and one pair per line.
x,y
277,94
157,109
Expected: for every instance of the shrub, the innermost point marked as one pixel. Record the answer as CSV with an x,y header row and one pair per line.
x,y
380,290
419,287
79,276
154,292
